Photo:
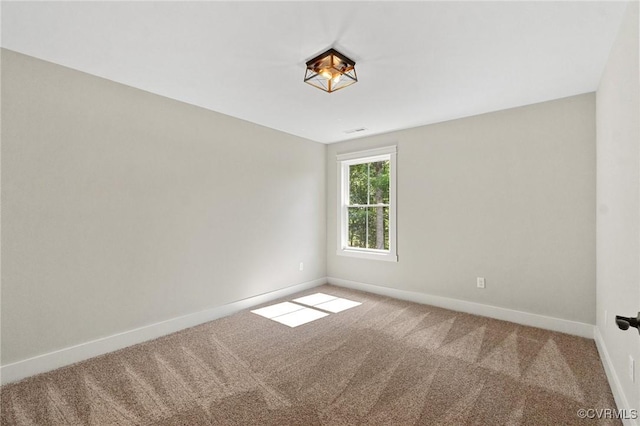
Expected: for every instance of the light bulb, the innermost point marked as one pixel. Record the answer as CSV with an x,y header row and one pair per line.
x,y
336,78
326,74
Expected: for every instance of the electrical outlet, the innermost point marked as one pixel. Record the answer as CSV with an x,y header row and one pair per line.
x,y
301,266
632,368
480,282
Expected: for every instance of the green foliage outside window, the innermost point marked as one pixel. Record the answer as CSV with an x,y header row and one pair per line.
x,y
368,210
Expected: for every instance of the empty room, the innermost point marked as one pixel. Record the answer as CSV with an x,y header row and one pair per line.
x,y
320,213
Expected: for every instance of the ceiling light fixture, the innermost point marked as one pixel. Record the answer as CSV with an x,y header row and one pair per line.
x,y
330,71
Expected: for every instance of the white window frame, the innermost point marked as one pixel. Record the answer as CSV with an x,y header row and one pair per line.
x,y
368,156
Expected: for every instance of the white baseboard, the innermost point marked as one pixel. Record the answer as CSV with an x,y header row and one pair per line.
x,y
525,318
63,357
614,381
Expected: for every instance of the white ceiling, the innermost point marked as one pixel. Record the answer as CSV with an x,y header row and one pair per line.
x,y
417,62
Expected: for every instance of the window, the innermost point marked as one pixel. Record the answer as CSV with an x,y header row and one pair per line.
x,y
367,204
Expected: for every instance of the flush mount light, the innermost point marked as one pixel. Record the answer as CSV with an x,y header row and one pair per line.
x,y
331,71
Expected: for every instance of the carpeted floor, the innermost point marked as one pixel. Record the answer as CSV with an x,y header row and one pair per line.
x,y
386,362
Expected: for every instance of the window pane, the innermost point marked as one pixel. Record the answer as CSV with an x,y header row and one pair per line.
x,y
369,228
386,228
379,182
357,227
358,184
378,228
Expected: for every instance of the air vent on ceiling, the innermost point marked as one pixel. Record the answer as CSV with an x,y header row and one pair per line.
x,y
361,129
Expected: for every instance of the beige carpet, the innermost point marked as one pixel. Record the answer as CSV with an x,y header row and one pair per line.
x,y
384,362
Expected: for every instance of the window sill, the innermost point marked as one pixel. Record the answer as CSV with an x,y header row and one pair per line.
x,y
368,254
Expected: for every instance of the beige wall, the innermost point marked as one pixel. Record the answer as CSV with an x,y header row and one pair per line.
x,y
121,208
509,196
618,200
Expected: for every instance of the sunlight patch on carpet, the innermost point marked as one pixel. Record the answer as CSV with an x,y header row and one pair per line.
x,y
290,314
314,299
327,302
295,314
299,317
337,305
278,309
